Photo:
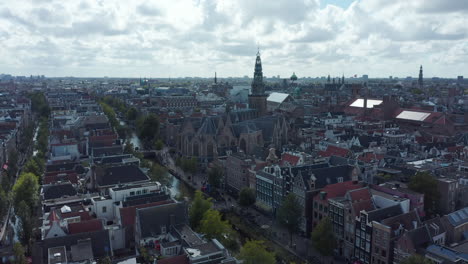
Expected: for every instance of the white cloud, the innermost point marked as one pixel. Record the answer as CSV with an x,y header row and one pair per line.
x,y
162,38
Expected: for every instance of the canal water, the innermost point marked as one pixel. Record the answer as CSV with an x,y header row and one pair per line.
x,y
179,189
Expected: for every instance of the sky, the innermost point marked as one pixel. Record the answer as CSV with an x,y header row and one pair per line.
x,y
178,38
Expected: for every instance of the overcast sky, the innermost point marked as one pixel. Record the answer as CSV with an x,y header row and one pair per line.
x,y
176,38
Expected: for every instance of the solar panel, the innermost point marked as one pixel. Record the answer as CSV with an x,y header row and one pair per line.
x,y
462,214
455,217
413,115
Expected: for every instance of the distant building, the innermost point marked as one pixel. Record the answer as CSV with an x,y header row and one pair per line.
x,y
258,98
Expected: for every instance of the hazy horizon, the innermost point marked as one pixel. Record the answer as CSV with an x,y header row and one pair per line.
x,y
182,38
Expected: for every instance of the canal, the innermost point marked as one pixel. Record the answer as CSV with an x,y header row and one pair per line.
x,y
178,188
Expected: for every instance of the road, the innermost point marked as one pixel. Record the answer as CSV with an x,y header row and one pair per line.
x,y
301,245
6,219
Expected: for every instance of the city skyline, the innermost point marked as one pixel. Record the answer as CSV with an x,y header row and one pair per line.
x,y
196,38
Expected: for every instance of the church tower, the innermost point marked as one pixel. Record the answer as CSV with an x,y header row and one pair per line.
x,y
420,80
257,97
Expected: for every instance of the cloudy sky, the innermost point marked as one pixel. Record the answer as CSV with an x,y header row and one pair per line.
x,y
176,38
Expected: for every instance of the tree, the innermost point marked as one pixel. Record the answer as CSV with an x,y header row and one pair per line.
x,y
105,260
147,258
158,145
323,238
255,252
246,197
132,114
213,226
159,173
26,189
425,183
128,148
19,253
199,206
3,203
416,259
149,128
25,228
32,167
290,214
215,176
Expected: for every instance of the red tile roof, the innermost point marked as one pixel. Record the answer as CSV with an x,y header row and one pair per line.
x,y
455,148
85,226
335,151
54,177
339,189
361,199
289,158
370,156
128,214
360,195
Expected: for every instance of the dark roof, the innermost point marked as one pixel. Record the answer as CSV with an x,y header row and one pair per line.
x,y
99,240
330,175
119,175
61,167
151,219
181,259
366,140
54,191
85,226
420,237
113,159
127,214
107,151
383,213
435,226
146,198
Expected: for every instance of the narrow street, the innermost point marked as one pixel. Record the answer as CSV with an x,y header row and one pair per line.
x,y
301,246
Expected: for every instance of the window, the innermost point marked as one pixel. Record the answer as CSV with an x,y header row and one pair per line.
x,y
163,229
138,192
104,209
132,193
145,191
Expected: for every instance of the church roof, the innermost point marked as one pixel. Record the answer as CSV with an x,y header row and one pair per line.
x,y
277,97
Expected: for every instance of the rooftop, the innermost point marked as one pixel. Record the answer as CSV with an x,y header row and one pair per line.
x,y
458,217
370,103
277,97
413,115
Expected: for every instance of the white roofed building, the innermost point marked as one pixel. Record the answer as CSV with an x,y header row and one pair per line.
x,y
275,100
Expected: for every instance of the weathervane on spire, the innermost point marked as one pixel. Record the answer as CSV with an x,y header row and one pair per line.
x,y
258,48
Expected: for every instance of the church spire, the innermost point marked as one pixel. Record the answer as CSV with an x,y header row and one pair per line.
x,y
420,80
258,88
215,80
328,79
342,79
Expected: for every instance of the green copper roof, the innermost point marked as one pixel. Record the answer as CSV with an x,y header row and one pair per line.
x,y
294,77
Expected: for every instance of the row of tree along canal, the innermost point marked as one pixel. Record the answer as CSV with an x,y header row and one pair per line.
x,y
129,133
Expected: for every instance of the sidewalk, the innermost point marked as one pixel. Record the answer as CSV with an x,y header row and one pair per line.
x,y
302,247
